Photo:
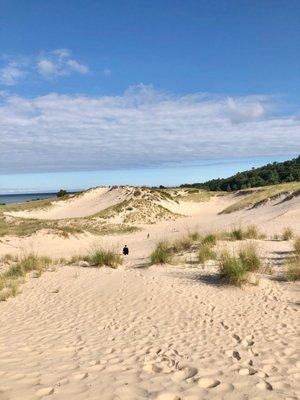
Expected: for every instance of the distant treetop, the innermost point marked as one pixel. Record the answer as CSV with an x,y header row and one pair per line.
x,y
270,174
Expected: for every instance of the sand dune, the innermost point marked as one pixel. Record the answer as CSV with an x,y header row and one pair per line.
x,y
158,333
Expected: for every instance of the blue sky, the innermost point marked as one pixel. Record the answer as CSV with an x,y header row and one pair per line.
x,y
133,87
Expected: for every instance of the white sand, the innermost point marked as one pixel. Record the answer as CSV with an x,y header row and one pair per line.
x,y
140,332
156,333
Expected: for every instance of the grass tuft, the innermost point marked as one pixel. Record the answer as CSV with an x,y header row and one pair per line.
x,y
293,269
161,254
206,253
249,258
232,270
297,246
105,258
13,276
287,233
210,239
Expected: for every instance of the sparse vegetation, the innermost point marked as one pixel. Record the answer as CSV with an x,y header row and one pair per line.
x,y
183,244
249,258
260,196
293,269
13,276
232,270
250,232
297,246
195,236
161,254
206,253
287,233
210,239
103,257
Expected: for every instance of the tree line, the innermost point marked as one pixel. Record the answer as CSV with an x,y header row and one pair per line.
x,y
270,174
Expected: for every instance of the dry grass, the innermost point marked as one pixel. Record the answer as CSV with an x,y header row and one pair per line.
x,y
293,269
162,254
249,232
249,257
210,239
297,246
206,253
15,274
287,233
183,244
261,195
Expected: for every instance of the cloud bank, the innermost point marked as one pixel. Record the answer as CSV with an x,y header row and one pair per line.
x,y
143,127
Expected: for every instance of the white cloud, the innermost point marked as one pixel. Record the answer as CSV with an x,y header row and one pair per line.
x,y
56,63
142,127
59,63
11,73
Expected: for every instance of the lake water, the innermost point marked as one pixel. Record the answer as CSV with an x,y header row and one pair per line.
x,y
22,198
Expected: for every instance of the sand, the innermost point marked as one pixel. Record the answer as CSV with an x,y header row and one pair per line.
x,y
160,332
138,333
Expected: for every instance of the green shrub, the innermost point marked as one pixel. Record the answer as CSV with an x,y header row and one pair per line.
x,y
232,270
62,193
105,257
287,233
210,239
161,254
206,253
249,258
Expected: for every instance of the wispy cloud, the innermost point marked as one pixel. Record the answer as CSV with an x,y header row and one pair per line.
x,y
11,73
59,63
142,127
56,63
107,72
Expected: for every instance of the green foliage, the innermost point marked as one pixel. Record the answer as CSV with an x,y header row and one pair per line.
x,y
250,232
62,193
107,258
210,239
270,174
249,258
232,270
161,254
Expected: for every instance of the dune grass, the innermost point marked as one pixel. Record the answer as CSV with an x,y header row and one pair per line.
x,y
249,258
296,245
239,233
11,278
235,269
210,239
293,269
103,257
261,195
206,253
162,254
182,244
232,270
287,233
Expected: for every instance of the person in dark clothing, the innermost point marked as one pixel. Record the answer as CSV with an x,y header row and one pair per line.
x,y
125,250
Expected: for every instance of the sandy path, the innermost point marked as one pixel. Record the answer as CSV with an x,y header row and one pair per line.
x,y
137,333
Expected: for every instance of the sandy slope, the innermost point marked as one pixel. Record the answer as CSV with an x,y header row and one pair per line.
x,y
156,333
163,333
89,203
